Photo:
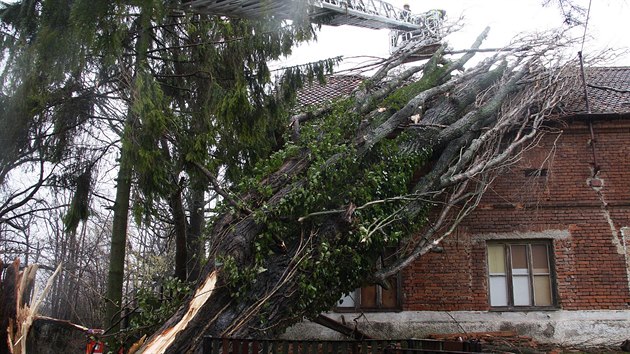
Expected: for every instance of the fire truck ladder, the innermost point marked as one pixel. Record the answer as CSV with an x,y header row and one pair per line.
x,y
374,14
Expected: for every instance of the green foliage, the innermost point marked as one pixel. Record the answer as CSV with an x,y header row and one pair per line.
x,y
340,264
337,259
212,71
79,207
240,279
432,76
151,157
197,89
44,77
15,126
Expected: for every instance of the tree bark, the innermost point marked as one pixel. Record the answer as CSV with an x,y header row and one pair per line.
x,y
194,242
118,247
115,277
180,225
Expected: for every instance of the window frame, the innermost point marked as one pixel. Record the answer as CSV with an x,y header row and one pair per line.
x,y
356,295
507,253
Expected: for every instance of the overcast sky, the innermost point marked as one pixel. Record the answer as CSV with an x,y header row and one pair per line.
x,y
607,26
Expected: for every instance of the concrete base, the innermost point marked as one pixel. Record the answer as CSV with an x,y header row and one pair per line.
x,y
567,328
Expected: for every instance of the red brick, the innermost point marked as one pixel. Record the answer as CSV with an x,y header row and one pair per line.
x,y
590,274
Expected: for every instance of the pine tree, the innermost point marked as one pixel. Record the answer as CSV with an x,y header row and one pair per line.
x,y
186,90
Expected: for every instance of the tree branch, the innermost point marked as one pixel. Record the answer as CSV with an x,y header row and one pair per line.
x,y
217,188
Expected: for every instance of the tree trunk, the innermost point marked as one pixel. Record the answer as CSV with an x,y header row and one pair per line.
x,y
115,275
8,303
194,242
17,315
180,225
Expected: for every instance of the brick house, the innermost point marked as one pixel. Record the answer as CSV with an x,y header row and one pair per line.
x,y
546,253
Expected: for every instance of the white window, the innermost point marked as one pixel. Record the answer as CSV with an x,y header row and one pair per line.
x,y
520,274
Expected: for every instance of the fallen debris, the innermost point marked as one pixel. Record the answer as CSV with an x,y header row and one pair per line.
x,y
502,340
510,342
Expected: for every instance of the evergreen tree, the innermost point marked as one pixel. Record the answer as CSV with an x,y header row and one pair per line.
x,y
183,91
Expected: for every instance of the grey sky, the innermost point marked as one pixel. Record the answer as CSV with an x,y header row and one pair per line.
x,y
507,18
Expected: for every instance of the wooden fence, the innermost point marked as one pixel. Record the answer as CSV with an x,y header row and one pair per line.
x,y
408,346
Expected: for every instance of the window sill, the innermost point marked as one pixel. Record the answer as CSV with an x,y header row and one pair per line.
x,y
523,308
362,309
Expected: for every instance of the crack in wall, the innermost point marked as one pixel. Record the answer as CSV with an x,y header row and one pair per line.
x,y
597,184
624,231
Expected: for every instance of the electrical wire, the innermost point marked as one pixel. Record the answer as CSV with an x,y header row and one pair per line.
x,y
588,15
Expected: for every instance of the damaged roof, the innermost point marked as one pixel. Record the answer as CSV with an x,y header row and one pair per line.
x,y
608,91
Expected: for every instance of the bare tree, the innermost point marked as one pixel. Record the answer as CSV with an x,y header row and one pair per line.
x,y
572,13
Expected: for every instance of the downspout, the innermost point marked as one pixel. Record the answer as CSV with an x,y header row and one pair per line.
x,y
590,120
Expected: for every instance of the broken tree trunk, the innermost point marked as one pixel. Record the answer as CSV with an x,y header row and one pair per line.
x,y
17,314
13,290
313,226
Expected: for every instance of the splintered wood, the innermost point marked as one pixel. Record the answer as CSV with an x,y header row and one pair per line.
x,y
16,316
161,342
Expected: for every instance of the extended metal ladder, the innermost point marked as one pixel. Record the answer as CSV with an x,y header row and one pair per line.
x,y
375,14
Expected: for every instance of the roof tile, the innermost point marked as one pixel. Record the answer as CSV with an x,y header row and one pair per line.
x,y
608,91
335,87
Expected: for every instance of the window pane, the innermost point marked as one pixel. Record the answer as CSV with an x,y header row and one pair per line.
x,y
368,296
519,273
542,290
498,291
496,259
389,298
519,257
347,300
540,259
521,289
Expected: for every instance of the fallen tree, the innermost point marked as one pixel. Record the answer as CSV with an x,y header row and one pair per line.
x,y
397,165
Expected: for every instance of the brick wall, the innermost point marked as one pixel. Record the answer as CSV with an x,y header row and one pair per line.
x,y
590,259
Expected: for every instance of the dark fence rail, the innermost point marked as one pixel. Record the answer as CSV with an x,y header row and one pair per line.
x,y
408,346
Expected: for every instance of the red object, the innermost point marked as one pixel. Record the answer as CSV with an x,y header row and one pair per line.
x,y
95,347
